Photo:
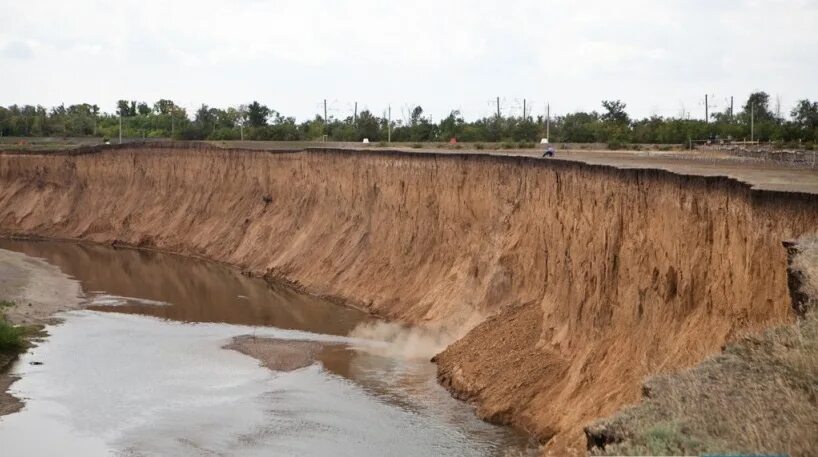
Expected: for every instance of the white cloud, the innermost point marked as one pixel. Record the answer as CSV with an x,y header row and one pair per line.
x,y
291,54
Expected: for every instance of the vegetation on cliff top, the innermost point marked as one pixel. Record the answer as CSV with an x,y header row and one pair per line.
x,y
612,125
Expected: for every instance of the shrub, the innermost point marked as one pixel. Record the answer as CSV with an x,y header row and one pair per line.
x,y
479,146
508,145
417,146
11,337
615,145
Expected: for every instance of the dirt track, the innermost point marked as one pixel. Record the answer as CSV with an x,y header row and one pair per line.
x,y
602,276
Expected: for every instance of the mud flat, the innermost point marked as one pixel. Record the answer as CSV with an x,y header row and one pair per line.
x,y
277,355
36,290
572,282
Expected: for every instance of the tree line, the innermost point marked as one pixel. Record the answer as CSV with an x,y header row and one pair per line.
x,y
255,121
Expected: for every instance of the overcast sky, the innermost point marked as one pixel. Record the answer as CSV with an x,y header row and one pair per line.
x,y
659,57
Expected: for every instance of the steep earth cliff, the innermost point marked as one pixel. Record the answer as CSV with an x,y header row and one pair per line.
x,y
586,278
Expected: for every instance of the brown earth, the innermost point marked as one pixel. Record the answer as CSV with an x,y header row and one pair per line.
x,y
758,396
275,354
601,276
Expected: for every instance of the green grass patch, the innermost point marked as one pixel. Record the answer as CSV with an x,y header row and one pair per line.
x,y
12,338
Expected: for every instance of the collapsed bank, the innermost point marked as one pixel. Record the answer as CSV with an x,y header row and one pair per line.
x,y
564,284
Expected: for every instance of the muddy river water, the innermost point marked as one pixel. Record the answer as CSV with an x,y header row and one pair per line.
x,y
142,371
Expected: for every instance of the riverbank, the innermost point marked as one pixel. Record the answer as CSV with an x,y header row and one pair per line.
x,y
32,292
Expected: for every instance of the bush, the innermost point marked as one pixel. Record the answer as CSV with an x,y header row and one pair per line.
x,y
615,145
508,145
11,337
525,145
479,146
417,146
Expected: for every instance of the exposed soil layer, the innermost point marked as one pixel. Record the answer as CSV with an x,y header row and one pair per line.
x,y
760,395
277,355
601,276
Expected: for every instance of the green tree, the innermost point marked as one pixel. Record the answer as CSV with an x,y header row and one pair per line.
x,y
257,114
615,112
163,106
758,104
143,109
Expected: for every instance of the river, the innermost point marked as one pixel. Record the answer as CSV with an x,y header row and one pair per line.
x,y
143,371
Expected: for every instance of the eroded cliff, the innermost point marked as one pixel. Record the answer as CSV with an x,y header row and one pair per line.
x,y
591,277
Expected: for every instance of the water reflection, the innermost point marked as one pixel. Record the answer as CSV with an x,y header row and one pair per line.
x,y
120,382
198,291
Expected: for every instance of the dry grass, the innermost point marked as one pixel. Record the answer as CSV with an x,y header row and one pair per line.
x,y
806,262
760,395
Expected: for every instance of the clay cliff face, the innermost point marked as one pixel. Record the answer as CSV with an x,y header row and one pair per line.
x,y
590,277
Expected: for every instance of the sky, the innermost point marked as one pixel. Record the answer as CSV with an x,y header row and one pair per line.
x,y
659,57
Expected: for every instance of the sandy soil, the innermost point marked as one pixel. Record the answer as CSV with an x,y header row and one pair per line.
x,y
760,174
275,354
38,290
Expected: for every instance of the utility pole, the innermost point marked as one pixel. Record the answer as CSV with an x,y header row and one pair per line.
x,y
731,108
524,109
706,110
241,130
752,120
355,114
325,117
120,127
389,126
172,127
498,107
548,122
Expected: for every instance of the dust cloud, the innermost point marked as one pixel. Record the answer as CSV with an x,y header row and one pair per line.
x,y
411,342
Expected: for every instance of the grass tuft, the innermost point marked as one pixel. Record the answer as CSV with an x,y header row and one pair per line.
x,y
12,339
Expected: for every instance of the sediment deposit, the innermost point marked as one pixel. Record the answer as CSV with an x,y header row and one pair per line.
x,y
582,279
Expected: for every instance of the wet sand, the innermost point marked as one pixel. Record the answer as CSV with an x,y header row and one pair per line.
x,y
275,354
38,290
